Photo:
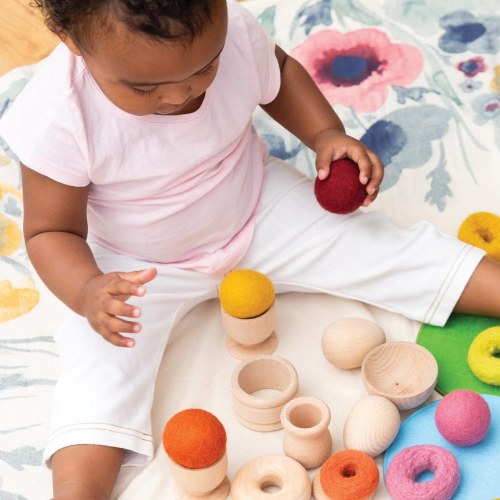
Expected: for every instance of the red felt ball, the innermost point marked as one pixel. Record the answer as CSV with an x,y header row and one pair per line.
x,y
341,192
194,438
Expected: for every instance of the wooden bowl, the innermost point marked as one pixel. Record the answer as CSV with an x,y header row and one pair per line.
x,y
403,372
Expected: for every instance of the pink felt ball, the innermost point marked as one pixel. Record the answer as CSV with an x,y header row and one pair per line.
x,y
341,192
463,417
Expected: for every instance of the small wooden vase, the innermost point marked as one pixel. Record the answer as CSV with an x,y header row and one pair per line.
x,y
263,372
207,483
248,337
307,438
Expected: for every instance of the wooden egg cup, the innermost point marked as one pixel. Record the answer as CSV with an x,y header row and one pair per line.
x,y
319,493
207,483
306,437
271,470
248,337
403,372
263,372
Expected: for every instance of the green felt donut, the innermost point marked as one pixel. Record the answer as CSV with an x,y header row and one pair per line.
x,y
450,346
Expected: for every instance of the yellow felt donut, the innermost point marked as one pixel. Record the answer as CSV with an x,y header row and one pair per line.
x,y
482,356
482,229
245,293
271,470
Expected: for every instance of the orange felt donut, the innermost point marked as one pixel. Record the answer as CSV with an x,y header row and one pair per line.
x,y
349,475
194,438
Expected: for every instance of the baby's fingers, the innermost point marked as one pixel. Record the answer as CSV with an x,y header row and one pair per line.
x,y
113,327
376,175
139,277
116,307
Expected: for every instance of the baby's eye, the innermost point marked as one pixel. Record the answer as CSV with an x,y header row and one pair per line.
x,y
143,92
208,69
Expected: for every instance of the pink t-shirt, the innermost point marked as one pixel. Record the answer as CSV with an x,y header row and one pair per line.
x,y
183,189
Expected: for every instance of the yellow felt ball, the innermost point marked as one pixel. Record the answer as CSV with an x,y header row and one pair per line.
x,y
246,294
482,229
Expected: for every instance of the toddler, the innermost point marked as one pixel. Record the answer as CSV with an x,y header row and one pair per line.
x,y
142,171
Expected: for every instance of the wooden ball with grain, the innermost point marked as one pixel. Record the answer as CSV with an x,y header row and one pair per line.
x,y
347,341
371,425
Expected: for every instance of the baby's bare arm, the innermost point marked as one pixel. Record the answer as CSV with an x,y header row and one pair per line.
x,y
55,229
303,110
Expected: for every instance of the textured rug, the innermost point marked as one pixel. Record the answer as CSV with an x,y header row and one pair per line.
x,y
419,82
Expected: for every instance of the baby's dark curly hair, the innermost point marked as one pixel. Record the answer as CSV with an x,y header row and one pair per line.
x,y
167,19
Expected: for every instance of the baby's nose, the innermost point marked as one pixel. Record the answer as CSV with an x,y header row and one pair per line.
x,y
177,96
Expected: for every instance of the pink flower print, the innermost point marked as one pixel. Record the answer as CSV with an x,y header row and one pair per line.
x,y
356,69
472,66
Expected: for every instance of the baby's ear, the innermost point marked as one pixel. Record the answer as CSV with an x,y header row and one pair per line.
x,y
68,41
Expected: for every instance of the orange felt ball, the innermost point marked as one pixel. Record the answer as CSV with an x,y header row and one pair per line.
x,y
194,438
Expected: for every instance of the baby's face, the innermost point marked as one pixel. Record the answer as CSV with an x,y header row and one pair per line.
x,y
145,76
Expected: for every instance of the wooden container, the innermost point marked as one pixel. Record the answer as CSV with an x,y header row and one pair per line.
x,y
249,337
307,438
208,483
271,470
403,372
257,374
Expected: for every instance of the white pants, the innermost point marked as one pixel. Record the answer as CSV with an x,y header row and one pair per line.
x,y
104,394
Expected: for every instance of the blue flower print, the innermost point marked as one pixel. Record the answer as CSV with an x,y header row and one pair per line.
x,y
400,144
277,147
313,15
470,85
465,31
7,97
487,107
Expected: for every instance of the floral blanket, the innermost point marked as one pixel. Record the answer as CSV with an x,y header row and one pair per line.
x,y
418,81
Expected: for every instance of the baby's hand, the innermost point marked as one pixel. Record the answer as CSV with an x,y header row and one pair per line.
x,y
332,144
104,299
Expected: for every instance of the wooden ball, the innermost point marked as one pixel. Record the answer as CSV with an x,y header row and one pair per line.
x,y
246,294
346,342
371,425
194,438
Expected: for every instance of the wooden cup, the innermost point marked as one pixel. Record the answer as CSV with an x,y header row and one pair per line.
x,y
249,337
206,483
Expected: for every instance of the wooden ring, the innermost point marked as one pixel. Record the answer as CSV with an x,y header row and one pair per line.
x,y
255,374
271,470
